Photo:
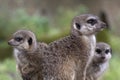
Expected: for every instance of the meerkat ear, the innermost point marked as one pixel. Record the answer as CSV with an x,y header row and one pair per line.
x,y
77,26
30,41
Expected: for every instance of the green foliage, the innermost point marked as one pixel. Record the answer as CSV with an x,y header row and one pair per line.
x,y
108,37
115,41
38,24
4,77
5,50
8,70
65,16
62,23
103,36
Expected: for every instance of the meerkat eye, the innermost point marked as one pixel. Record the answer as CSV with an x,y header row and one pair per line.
x,y
18,39
78,26
107,51
98,51
92,21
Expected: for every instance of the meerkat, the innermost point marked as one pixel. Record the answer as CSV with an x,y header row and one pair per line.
x,y
100,61
68,58
27,52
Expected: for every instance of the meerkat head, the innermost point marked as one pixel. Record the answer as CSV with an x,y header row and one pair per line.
x,y
86,24
102,52
23,40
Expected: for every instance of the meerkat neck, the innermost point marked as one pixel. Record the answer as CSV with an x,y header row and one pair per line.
x,y
33,47
87,40
86,43
92,41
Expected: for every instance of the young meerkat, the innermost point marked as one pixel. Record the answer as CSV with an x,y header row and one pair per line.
x,y
100,61
68,58
27,52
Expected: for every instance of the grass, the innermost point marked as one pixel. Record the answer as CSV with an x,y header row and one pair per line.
x,y
8,70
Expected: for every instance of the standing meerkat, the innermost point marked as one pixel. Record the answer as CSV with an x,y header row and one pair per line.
x,y
100,61
27,52
68,58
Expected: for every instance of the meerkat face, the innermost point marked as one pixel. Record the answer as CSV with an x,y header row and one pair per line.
x,y
22,40
102,52
87,24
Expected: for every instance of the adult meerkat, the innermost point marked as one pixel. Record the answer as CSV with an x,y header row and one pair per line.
x,y
100,61
27,52
74,49
68,58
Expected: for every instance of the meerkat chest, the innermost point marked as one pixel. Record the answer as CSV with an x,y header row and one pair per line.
x,y
20,58
92,42
102,69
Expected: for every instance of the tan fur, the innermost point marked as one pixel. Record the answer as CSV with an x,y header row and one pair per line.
x,y
68,58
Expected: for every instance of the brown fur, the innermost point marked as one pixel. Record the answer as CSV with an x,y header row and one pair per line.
x,y
68,58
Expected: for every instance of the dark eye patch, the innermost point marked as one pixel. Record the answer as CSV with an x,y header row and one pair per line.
x,y
98,51
107,51
78,26
18,39
30,41
92,21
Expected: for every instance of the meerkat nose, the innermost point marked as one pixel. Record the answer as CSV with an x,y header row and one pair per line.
x,y
103,25
103,57
9,42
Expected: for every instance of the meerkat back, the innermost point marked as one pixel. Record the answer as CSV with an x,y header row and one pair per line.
x,y
100,61
68,58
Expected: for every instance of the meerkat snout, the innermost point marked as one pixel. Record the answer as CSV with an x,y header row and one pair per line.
x,y
103,25
15,41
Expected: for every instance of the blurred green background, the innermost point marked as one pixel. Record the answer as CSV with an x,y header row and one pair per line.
x,y
51,20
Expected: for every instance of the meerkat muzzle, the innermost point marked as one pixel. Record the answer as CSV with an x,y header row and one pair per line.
x,y
103,25
10,42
